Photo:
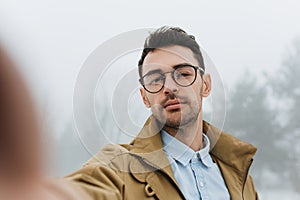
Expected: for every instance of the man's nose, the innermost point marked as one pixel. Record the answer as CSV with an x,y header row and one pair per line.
x,y
170,85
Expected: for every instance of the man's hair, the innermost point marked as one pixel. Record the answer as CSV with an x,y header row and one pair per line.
x,y
167,36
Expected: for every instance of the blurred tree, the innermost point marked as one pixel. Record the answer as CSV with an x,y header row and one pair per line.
x,y
69,151
286,89
75,146
250,118
79,142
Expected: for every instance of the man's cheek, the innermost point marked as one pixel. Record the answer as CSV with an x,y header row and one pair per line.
x,y
156,108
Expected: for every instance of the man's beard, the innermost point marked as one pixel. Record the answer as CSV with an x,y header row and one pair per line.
x,y
183,121
186,117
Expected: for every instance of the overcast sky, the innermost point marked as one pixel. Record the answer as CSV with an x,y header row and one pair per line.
x,y
51,39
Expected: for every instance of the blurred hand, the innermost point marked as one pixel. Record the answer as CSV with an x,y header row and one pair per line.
x,y
20,152
21,171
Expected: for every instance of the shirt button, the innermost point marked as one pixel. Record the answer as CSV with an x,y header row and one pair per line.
x,y
201,184
195,156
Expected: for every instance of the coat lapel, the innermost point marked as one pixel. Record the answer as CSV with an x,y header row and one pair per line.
x,y
152,165
233,157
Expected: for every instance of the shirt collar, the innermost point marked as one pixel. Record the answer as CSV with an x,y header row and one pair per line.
x,y
204,152
183,153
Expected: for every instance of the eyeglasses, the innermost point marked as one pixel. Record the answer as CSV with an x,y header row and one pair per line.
x,y
183,75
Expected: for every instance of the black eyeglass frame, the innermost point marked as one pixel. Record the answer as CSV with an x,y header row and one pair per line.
x,y
201,69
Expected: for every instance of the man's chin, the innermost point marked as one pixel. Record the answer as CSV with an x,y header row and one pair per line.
x,y
177,120
170,120
174,119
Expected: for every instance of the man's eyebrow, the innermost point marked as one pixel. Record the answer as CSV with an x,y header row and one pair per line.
x,y
153,71
181,64
174,66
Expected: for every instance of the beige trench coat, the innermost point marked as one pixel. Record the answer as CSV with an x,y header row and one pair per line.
x,y
141,170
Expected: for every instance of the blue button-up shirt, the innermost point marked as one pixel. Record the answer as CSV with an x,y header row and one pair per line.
x,y
197,175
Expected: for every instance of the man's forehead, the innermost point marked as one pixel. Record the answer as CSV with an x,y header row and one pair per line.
x,y
157,66
168,57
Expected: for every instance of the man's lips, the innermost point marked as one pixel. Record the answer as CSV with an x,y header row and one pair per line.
x,y
172,105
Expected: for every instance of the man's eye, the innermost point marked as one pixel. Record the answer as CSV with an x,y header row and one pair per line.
x,y
183,74
156,80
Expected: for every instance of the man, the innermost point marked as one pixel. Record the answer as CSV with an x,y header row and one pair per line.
x,y
176,155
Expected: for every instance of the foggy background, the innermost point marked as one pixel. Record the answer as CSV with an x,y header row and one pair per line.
x,y
254,45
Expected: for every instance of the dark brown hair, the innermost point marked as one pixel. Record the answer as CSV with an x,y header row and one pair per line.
x,y
167,36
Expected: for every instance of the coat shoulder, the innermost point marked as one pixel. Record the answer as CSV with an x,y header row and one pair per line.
x,y
108,154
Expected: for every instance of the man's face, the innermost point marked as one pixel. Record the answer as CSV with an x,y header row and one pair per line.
x,y
174,106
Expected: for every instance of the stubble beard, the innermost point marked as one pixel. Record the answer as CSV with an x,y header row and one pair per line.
x,y
178,119
187,118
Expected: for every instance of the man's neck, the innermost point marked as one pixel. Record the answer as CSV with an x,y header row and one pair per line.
x,y
190,135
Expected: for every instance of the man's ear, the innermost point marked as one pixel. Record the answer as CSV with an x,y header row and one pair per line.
x,y
206,87
144,97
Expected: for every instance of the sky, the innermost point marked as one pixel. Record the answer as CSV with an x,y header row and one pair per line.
x,y
50,40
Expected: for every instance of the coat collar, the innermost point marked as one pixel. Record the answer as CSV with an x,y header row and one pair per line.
x,y
148,146
235,153
229,153
228,149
